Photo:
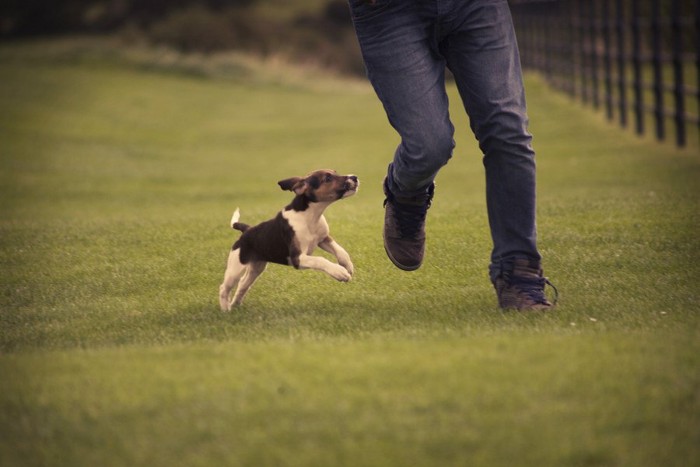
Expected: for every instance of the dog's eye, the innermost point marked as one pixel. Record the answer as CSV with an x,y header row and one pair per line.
x,y
328,179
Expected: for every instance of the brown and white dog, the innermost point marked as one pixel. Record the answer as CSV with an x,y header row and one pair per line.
x,y
290,237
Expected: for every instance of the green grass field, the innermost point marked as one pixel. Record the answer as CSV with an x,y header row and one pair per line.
x,y
118,179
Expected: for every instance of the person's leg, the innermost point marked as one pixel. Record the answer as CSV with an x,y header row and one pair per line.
x,y
481,51
399,47
482,54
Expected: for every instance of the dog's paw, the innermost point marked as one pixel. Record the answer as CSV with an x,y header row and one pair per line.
x,y
349,268
341,274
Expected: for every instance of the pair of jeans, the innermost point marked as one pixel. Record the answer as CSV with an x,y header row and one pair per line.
x,y
407,46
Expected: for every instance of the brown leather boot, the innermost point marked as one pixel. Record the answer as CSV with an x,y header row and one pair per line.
x,y
404,228
522,288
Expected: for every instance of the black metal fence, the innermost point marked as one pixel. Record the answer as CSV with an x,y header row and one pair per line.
x,y
637,59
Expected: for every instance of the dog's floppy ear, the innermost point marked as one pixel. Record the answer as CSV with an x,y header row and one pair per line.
x,y
295,184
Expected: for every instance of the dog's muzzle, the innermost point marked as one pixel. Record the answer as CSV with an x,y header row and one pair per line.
x,y
352,184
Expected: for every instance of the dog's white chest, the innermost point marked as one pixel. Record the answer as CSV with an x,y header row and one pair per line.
x,y
309,228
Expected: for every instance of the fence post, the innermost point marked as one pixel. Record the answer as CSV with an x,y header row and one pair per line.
x,y
637,68
607,58
621,75
577,19
697,60
594,52
678,91
546,48
657,64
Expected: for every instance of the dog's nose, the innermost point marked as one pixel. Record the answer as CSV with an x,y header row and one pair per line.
x,y
353,178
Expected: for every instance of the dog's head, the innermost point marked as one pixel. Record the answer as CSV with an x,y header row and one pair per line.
x,y
322,186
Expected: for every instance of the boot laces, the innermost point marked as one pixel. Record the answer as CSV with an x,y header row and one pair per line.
x,y
533,288
411,216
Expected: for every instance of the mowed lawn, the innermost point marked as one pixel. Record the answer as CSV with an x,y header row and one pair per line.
x,y
117,182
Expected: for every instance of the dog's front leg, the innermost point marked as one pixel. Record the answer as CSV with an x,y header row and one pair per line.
x,y
332,247
322,264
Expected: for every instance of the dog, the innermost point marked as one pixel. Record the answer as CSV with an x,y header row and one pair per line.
x,y
290,237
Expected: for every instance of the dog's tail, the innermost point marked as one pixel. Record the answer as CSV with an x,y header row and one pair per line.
x,y
238,225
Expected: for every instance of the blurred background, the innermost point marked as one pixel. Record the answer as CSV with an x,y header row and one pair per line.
x,y
635,60
317,31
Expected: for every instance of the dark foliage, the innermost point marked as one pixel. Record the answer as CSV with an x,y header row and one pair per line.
x,y
324,37
47,17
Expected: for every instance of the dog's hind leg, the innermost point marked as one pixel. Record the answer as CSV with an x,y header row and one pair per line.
x,y
254,270
234,271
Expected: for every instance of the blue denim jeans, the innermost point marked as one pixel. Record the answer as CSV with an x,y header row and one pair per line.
x,y
406,46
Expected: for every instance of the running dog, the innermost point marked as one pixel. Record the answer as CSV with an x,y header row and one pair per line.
x,y
291,237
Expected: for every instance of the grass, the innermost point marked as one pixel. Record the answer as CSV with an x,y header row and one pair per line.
x,y
116,185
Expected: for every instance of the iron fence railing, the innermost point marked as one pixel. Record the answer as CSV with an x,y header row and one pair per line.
x,y
639,60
